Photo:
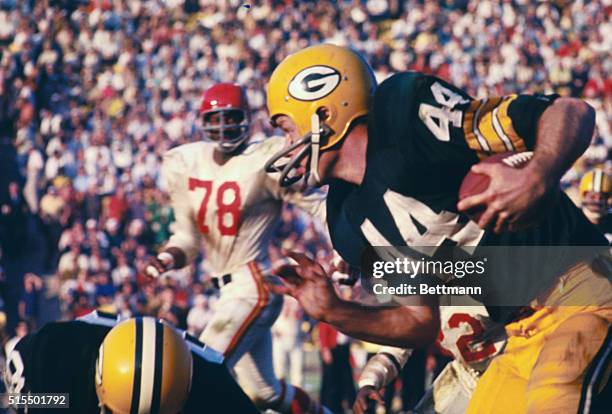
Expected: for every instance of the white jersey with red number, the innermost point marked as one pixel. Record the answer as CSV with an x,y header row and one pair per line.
x,y
228,210
469,334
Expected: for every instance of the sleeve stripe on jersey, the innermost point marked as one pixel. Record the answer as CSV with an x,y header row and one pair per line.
x,y
506,124
488,128
468,119
500,131
484,143
473,135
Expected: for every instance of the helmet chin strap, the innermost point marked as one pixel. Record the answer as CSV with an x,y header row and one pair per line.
x,y
313,178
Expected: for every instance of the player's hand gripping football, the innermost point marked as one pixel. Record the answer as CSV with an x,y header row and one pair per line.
x,y
363,401
309,284
514,199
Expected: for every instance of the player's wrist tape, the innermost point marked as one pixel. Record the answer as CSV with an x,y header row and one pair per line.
x,y
167,259
381,369
368,381
374,374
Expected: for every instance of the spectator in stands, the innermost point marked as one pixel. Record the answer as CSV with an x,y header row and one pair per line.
x,y
29,305
13,216
52,208
34,167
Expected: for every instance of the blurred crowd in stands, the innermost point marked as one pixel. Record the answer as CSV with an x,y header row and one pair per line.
x,y
93,92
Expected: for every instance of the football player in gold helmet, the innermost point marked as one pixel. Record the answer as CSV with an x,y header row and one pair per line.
x,y
394,157
152,375
595,194
112,366
596,199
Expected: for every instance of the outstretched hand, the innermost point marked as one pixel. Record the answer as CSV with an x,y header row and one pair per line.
x,y
514,199
305,280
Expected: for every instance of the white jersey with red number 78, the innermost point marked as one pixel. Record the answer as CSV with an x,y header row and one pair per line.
x,y
228,210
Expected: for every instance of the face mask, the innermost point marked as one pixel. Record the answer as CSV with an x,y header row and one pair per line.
x,y
281,163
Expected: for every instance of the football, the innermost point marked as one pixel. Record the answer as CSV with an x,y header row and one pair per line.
x,y
477,183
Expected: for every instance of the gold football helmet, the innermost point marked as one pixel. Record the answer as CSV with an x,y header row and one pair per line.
x,y
143,366
595,192
322,77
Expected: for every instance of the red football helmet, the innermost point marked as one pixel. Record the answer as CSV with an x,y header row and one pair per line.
x,y
225,115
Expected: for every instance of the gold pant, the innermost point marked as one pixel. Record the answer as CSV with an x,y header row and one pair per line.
x,y
547,355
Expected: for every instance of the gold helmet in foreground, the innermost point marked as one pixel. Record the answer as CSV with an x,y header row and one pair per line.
x,y
143,366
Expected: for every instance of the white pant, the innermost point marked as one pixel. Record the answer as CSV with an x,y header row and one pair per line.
x,y
240,330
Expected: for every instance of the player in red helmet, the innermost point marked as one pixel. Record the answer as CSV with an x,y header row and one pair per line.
x,y
227,206
225,116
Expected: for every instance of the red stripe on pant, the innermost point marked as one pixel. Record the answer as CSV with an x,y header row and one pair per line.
x,y
262,302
